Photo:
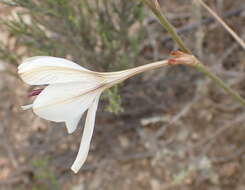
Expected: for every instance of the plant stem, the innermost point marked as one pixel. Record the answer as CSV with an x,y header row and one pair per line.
x,y
155,8
167,25
219,82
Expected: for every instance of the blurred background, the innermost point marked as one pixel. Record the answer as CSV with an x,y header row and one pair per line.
x,y
170,128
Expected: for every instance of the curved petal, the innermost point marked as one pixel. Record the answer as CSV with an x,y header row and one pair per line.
x,y
71,124
86,137
50,70
65,102
26,107
34,62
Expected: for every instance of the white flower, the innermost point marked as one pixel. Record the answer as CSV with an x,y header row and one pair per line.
x,y
69,90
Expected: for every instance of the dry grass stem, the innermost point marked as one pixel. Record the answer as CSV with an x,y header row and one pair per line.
x,y
220,20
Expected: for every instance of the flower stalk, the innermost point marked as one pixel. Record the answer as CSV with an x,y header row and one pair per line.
x,y
154,6
156,9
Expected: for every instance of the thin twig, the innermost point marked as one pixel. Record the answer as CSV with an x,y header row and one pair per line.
x,y
232,156
205,21
233,34
208,142
176,118
197,14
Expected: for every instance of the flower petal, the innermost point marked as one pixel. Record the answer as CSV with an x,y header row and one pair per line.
x,y
71,124
26,107
65,102
34,62
86,137
50,70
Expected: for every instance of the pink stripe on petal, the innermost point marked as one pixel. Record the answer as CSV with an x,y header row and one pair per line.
x,y
35,92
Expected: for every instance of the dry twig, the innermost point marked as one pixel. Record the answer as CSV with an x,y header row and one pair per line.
x,y
222,22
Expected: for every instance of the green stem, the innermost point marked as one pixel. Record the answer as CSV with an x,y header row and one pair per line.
x,y
155,8
219,82
167,25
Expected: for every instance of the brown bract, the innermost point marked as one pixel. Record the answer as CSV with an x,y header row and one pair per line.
x,y
182,58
